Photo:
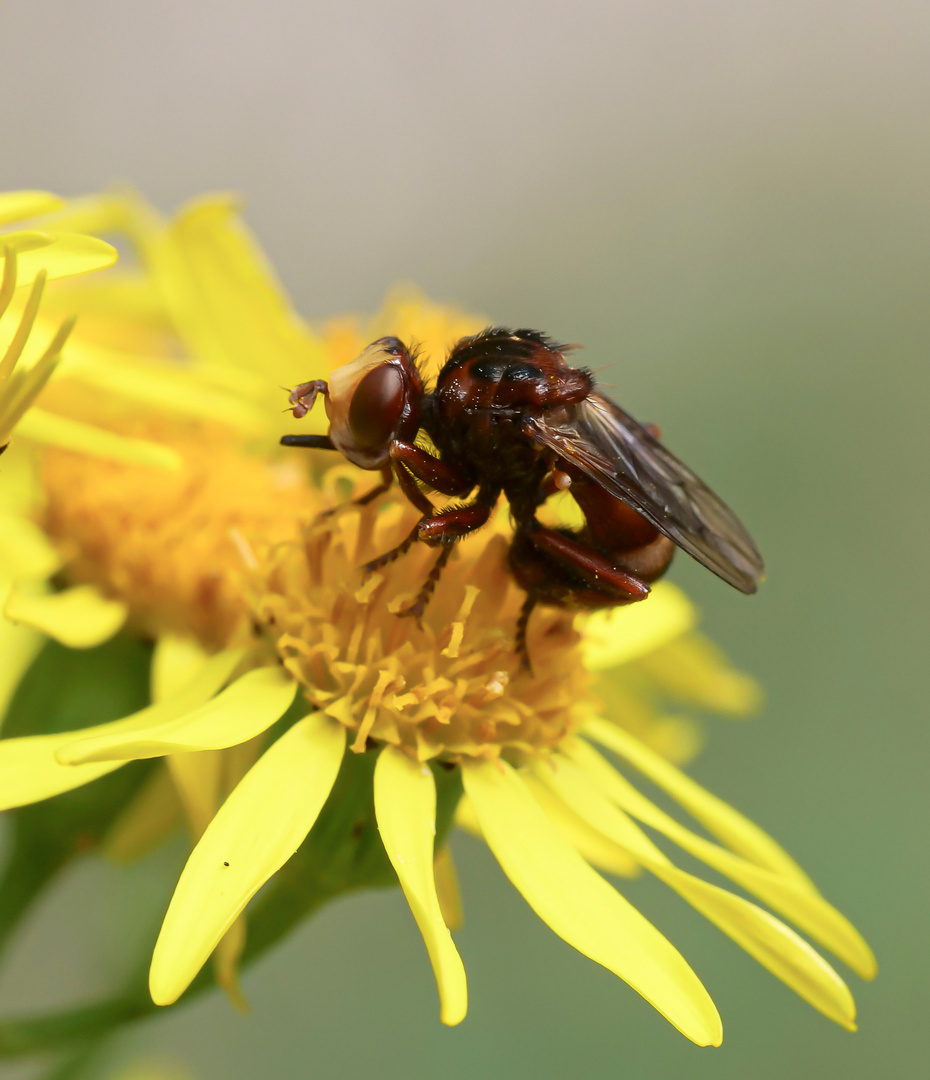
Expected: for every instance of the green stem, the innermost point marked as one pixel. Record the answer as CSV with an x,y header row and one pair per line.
x,y
74,1064
342,854
28,1035
287,904
32,1034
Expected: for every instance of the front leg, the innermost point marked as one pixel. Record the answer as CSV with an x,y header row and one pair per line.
x,y
302,397
387,478
411,463
437,474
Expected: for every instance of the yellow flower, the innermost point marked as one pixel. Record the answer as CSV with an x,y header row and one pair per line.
x,y
33,333
256,602
30,349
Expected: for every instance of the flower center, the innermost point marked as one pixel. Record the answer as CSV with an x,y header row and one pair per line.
x,y
167,543
449,686
232,546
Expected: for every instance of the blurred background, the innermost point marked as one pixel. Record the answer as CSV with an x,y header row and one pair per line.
x,y
728,204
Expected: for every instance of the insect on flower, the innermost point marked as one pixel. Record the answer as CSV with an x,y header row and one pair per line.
x,y
509,416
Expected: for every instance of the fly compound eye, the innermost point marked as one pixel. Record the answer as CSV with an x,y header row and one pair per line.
x,y
372,401
376,406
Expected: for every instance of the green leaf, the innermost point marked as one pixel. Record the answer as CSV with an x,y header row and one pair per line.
x,y
65,689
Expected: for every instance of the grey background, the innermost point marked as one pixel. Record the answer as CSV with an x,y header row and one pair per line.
x,y
727,203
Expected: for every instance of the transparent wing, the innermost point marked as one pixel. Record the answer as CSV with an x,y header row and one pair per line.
x,y
620,455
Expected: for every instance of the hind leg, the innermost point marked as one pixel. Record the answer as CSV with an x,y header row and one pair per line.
x,y
556,568
418,606
592,570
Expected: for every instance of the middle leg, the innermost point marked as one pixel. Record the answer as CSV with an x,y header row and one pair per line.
x,y
409,487
444,529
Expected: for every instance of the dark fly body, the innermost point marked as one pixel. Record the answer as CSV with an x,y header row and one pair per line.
x,y
508,416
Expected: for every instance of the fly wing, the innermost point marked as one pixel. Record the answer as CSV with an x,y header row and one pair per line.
x,y
619,454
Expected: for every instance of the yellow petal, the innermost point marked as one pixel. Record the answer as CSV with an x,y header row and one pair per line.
x,y
580,906
79,618
67,434
176,661
237,760
203,779
24,386
16,205
18,484
447,889
18,647
23,328
223,296
61,254
805,908
727,824
405,807
618,635
25,552
161,385
589,843
30,773
30,770
152,814
245,709
764,937
466,819
120,210
255,832
196,778
226,965
693,670
773,944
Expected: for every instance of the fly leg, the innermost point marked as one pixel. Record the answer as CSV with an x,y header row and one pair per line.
x,y
450,525
409,487
615,531
395,553
444,528
323,442
593,570
439,475
559,569
418,606
302,397
387,478
523,622
412,463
